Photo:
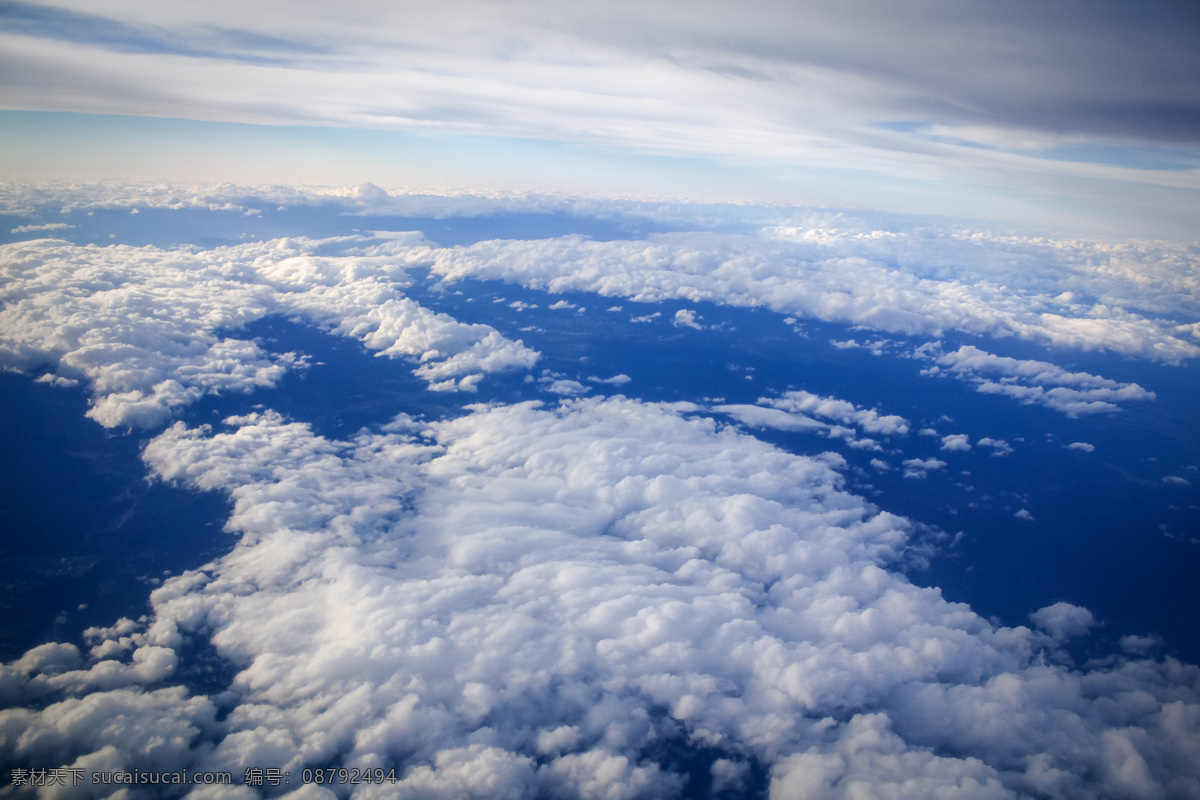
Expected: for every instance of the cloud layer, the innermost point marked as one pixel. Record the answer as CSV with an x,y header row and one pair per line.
x,y
534,600
150,330
866,279
559,600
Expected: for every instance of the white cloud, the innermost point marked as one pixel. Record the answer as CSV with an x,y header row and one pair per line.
x,y
759,417
1082,446
1024,514
531,600
787,413
1063,620
921,467
1176,480
842,411
1029,381
561,304
726,83
143,326
1135,298
958,442
617,380
999,446
898,282
685,317
1140,644
566,387
47,226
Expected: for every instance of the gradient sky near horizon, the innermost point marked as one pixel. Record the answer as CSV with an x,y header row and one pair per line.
x,y
1075,118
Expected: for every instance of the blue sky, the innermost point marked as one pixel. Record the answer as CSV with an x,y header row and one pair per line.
x,y
1080,118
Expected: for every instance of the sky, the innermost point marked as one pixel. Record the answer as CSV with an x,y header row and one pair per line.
x,y
601,401
1075,117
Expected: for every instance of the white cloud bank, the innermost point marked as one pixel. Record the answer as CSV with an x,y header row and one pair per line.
x,y
532,601
148,329
527,601
871,279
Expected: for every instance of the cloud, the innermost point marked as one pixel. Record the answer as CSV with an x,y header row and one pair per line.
x,y
875,271
787,413
685,317
829,88
566,387
617,380
1082,446
956,442
921,467
843,411
48,226
999,446
879,280
148,330
1176,480
536,600
1063,620
760,417
1029,381
1024,514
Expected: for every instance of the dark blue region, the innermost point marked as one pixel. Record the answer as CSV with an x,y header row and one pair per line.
x,y
347,387
168,228
84,536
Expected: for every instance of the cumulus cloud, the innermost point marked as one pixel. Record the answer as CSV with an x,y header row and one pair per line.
x,y
999,446
617,380
1024,514
1063,620
1030,381
686,317
528,600
1081,446
842,411
956,442
149,330
790,412
920,468
532,600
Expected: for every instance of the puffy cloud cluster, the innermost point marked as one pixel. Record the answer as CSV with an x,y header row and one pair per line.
x,y
1030,381
149,330
528,601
